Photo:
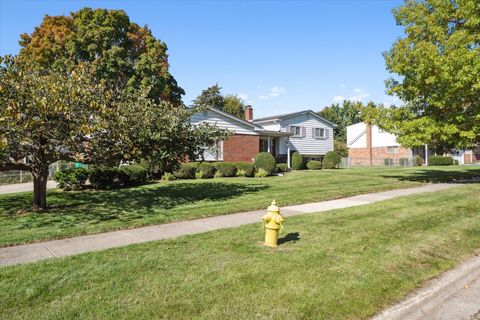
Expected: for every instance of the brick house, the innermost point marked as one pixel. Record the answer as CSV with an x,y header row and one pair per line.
x,y
281,135
370,145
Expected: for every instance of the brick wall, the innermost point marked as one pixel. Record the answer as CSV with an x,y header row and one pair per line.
x,y
241,148
361,156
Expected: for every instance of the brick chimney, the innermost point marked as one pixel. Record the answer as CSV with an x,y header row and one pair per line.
x,y
369,142
249,113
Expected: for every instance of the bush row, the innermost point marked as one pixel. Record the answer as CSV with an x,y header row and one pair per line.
x,y
440,161
101,177
331,161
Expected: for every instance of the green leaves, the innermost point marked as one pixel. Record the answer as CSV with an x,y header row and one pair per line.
x,y
438,63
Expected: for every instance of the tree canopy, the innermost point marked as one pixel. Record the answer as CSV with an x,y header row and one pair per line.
x,y
348,113
120,52
438,68
212,97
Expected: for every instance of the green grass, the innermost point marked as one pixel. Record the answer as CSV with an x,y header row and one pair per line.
x,y
77,213
344,264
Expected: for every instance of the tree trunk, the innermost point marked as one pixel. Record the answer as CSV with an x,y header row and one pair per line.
x,y
40,178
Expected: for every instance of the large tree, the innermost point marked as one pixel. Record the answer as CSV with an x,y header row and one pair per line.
x,y
438,68
348,113
233,104
120,52
95,88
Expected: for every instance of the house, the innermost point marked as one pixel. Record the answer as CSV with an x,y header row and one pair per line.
x,y
281,135
371,145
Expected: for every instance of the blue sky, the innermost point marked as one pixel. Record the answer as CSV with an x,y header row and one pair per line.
x,y
280,56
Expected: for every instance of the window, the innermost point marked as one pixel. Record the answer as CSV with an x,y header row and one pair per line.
x,y
296,131
393,149
319,133
214,153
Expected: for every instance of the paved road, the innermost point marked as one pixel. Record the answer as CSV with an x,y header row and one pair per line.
x,y
66,247
23,187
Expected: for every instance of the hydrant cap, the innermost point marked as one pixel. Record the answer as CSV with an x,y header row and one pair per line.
x,y
273,207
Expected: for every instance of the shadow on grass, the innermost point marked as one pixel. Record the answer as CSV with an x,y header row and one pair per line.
x,y
293,236
440,176
126,204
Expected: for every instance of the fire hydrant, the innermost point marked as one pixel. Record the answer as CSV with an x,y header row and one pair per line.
x,y
273,224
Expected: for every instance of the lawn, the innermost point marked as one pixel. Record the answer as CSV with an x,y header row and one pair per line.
x,y
343,264
76,213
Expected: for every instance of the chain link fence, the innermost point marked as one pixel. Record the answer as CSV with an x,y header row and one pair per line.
x,y
18,176
386,162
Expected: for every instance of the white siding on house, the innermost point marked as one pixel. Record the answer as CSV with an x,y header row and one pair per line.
x,y
383,139
223,122
308,144
356,137
270,125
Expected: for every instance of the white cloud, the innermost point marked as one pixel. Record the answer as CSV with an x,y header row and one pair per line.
x,y
338,98
274,92
243,96
360,94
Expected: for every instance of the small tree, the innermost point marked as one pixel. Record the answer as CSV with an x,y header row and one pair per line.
x,y
234,105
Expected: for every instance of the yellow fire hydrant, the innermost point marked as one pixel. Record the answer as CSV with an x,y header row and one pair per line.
x,y
273,224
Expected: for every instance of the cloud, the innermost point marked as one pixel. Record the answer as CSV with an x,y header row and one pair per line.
x,y
274,92
338,98
360,94
243,96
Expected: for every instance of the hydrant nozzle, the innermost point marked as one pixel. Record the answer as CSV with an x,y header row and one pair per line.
x,y
273,224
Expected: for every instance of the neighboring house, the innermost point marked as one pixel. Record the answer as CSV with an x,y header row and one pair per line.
x,y
370,145
281,135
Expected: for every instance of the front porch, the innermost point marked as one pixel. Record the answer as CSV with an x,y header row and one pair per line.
x,y
276,143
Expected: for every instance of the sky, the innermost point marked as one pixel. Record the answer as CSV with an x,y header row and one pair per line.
x,y
279,56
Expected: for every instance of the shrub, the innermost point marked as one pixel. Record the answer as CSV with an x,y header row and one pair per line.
x,y
185,171
245,169
265,161
206,170
297,161
103,177
132,175
226,169
440,161
314,165
71,179
168,176
388,161
261,173
455,162
418,161
403,162
331,160
281,167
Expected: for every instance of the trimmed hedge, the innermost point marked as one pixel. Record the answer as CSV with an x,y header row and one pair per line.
x,y
226,169
131,175
245,169
205,170
388,161
186,170
265,161
440,161
103,177
71,179
331,160
314,165
418,161
403,162
297,161
281,167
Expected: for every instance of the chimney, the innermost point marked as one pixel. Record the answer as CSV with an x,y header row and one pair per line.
x,y
369,142
249,113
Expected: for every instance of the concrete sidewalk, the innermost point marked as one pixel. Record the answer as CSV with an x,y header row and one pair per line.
x,y
66,247
453,295
23,187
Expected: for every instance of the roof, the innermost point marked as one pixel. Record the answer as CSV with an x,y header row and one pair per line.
x,y
231,116
293,114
